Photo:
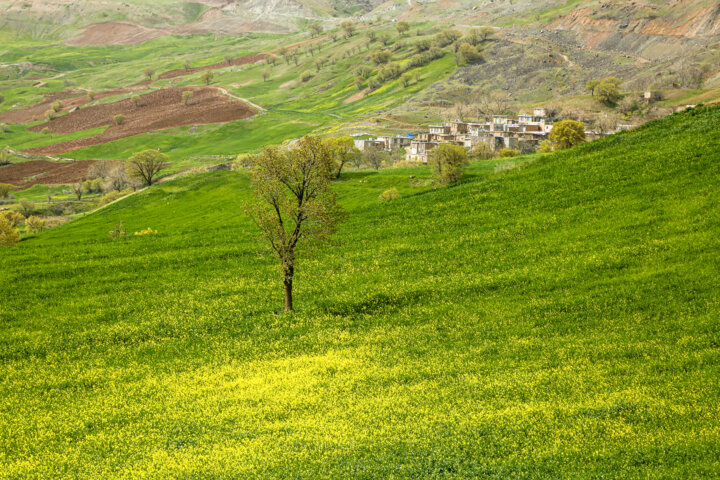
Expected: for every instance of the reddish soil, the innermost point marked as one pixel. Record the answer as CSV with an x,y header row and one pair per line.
x,y
114,33
44,172
157,110
236,61
70,99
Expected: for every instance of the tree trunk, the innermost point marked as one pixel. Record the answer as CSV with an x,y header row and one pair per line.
x,y
288,294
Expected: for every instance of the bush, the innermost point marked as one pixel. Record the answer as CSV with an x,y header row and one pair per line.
x,y
118,231
390,194
119,119
57,106
608,91
467,54
5,189
14,218
443,39
147,231
91,95
378,57
9,235
389,72
424,58
508,152
363,72
50,114
306,76
448,163
567,134
422,45
545,146
405,80
373,84
45,131
35,224
136,100
207,77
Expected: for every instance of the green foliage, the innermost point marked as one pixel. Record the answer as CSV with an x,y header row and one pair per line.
x,y
119,119
35,224
306,76
608,91
389,194
389,71
146,165
448,163
443,39
149,72
5,189
91,95
591,85
508,152
567,133
402,27
378,57
187,95
9,235
207,77
422,45
546,146
348,27
136,99
405,80
2,98
26,207
13,218
467,54
343,151
315,29
293,205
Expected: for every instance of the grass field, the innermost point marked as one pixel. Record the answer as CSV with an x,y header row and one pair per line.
x,y
554,318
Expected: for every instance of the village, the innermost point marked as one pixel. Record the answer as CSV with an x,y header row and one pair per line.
x,y
523,132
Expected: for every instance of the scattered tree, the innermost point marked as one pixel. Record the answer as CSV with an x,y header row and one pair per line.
x,y
229,59
306,76
91,95
373,84
4,157
567,134
265,75
149,72
343,151
372,35
78,191
348,27
315,29
57,106
405,80
136,100
207,77
145,166
119,119
293,204
402,27
385,39
374,156
448,162
379,57
186,64
422,45
2,98
50,114
187,95
26,207
359,83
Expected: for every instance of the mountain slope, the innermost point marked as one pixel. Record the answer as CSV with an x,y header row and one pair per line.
x,y
555,319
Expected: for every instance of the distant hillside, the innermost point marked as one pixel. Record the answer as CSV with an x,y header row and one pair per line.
x,y
551,317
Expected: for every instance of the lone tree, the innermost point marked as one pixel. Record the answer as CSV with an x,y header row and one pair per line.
x,y
343,151
348,27
402,27
207,77
293,204
608,91
187,95
145,166
567,134
78,190
315,29
448,162
119,119
149,72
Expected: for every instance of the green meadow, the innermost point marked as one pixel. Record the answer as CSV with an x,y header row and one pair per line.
x,y
553,316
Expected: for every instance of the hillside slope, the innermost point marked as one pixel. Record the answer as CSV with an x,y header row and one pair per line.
x,y
558,319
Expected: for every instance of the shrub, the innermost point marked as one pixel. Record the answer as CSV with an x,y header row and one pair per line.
x,y
545,146
359,83
443,39
207,77
45,130
149,72
27,207
448,163
608,91
508,152
187,95
389,72
378,57
119,119
9,235
567,134
4,128
405,79
35,224
136,100
467,54
147,231
5,189
422,45
50,114
364,72
306,76
91,95
373,84
110,197
15,218
389,194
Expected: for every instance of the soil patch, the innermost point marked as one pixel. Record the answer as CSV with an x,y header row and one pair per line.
x,y
157,110
69,98
27,174
356,96
114,33
236,61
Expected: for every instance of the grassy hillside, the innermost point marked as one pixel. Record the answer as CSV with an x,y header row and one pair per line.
x,y
554,318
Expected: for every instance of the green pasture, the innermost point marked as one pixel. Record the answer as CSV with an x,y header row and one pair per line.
x,y
551,318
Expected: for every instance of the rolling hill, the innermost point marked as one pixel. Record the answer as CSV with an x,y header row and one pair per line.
x,y
553,316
